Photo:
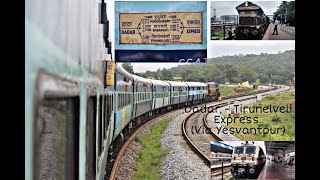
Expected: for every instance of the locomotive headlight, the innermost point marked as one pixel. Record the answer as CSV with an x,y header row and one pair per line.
x,y
255,32
251,171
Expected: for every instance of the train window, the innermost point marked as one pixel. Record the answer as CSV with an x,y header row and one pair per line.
x,y
111,103
118,101
100,116
122,100
91,137
250,150
127,99
239,150
58,143
107,107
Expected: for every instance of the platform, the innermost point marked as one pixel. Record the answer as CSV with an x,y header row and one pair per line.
x,y
272,170
282,35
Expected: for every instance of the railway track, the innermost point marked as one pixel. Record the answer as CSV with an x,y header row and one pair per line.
x,y
120,154
203,152
199,143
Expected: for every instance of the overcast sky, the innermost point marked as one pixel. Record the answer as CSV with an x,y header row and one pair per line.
x,y
223,48
229,7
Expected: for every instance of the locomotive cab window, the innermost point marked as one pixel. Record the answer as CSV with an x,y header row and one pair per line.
x,y
250,150
239,150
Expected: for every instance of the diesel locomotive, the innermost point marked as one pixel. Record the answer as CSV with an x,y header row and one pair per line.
x,y
253,23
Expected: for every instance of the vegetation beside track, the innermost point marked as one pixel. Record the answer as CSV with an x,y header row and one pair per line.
x,y
229,91
150,156
270,120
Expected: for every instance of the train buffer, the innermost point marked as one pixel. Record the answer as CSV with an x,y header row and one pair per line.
x,y
284,33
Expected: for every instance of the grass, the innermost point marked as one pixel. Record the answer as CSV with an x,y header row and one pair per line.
x,y
229,90
150,156
270,120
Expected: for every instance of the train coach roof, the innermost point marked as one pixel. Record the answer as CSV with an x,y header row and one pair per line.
x,y
159,82
221,147
211,83
141,79
175,83
196,84
217,143
247,5
124,72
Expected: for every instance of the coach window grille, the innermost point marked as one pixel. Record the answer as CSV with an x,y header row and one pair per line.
x,y
119,100
127,99
106,116
122,100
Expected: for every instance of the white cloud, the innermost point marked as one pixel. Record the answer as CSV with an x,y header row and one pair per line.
x,y
223,48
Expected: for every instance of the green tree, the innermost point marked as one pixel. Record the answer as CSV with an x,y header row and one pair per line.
x,y
231,72
128,67
166,74
286,11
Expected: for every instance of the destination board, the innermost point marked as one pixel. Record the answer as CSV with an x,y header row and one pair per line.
x,y
161,28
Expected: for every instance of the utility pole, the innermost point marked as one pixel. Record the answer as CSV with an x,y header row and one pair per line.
x,y
285,16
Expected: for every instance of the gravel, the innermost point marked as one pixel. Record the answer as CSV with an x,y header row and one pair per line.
x,y
128,162
180,162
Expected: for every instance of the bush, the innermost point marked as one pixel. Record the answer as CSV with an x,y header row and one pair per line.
x,y
276,119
